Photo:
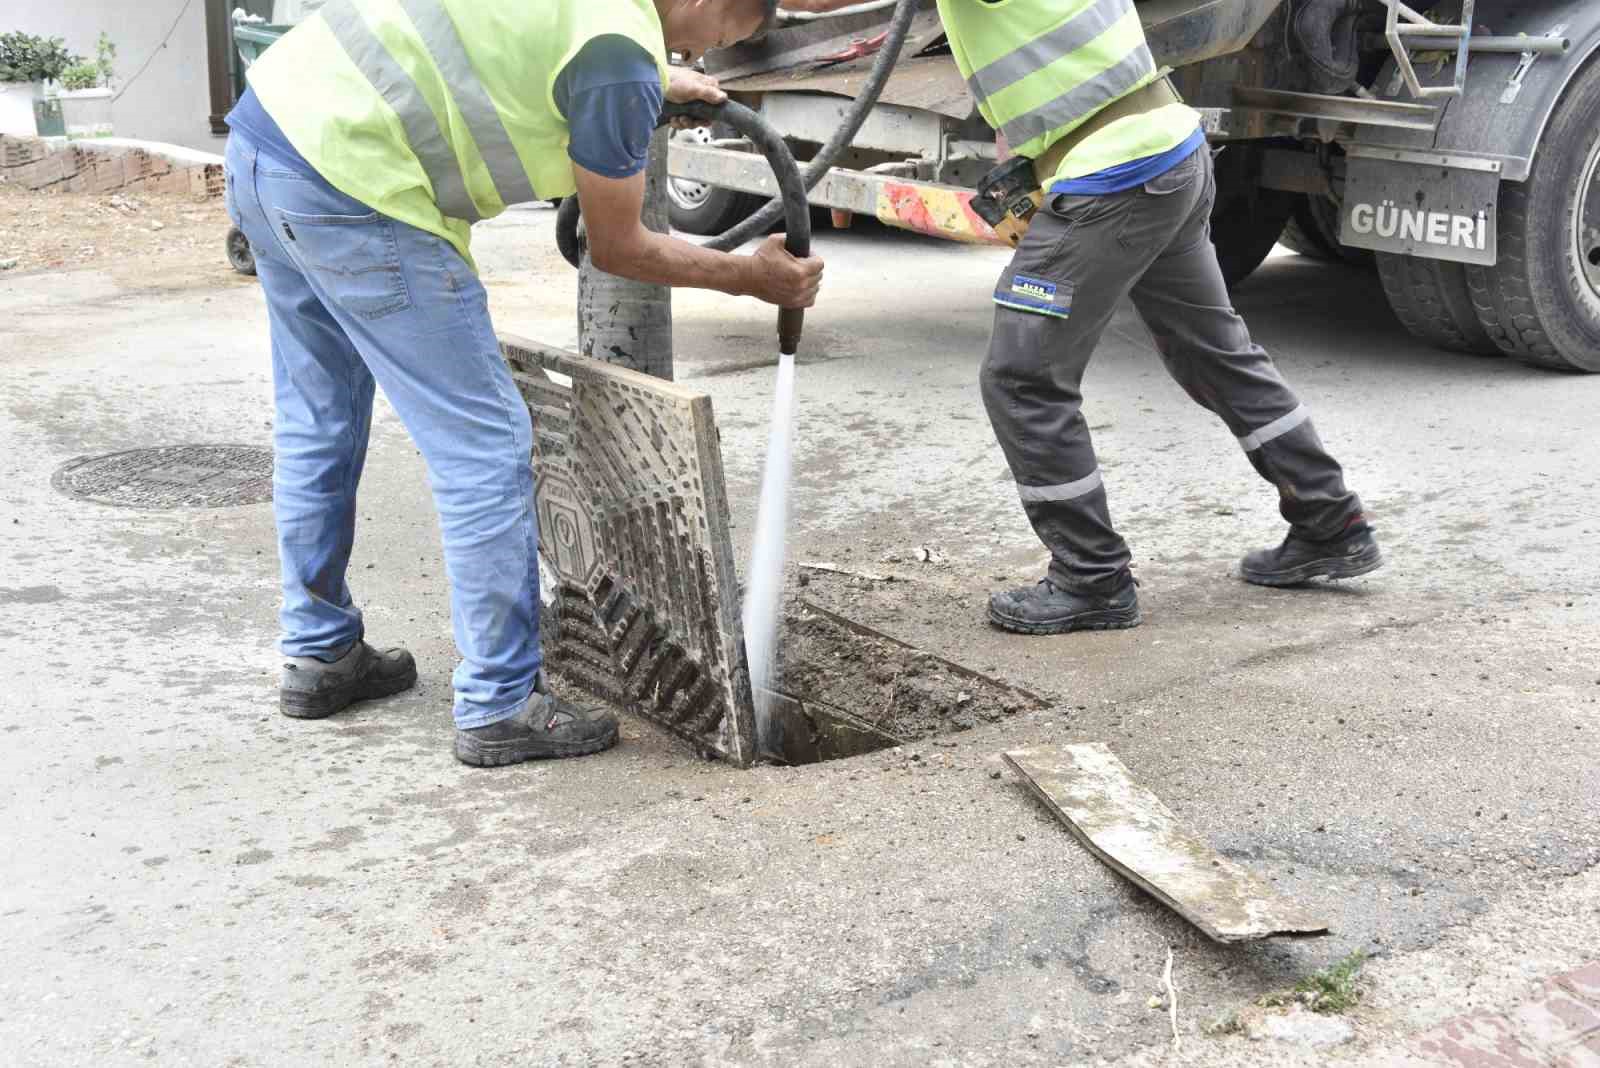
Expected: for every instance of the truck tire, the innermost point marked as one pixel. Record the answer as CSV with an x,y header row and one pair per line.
x,y
1246,219
1541,301
1313,230
1431,299
1300,236
700,208
1244,228
1305,232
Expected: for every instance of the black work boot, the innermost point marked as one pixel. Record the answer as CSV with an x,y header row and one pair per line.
x,y
1045,608
544,727
1299,560
312,688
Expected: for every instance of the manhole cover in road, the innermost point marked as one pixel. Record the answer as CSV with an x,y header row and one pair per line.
x,y
172,476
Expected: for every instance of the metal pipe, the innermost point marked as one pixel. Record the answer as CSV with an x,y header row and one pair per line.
x,y
1539,46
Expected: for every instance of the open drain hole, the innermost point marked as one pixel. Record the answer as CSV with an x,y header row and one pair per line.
x,y
846,689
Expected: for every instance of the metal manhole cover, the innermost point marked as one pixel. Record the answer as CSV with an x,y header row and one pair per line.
x,y
172,476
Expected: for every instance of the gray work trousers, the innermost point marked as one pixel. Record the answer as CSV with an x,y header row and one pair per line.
x,y
1081,255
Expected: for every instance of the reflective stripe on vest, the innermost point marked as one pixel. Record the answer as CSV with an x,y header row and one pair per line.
x,y
1037,73
1040,52
494,144
1079,102
444,45
397,88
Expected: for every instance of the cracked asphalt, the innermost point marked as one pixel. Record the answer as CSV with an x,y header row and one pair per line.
x,y
192,879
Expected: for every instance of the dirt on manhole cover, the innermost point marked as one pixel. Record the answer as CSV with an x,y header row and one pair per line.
x,y
172,476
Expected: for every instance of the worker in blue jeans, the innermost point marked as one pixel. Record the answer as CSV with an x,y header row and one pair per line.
x,y
357,199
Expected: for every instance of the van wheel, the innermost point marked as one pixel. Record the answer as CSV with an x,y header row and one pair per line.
x,y
701,208
1541,301
1431,299
240,256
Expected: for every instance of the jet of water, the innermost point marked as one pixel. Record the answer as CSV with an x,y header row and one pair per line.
x,y
764,580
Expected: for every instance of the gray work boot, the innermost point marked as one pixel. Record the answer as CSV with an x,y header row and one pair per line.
x,y
1045,608
1299,560
544,727
313,689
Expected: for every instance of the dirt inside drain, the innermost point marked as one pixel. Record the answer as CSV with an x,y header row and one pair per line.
x,y
847,689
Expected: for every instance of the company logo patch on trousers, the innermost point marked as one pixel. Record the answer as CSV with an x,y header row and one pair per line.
x,y
1037,295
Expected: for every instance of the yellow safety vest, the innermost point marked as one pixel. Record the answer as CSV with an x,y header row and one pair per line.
x,y
1040,68
440,112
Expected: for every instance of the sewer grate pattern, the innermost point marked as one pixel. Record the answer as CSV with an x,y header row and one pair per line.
x,y
171,476
641,609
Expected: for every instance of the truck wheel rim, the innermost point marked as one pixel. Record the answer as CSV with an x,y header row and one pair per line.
x,y
685,193
1586,223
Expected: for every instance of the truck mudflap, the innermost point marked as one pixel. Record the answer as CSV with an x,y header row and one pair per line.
x,y
1442,209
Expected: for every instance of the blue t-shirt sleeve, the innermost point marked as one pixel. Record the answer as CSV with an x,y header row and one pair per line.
x,y
611,96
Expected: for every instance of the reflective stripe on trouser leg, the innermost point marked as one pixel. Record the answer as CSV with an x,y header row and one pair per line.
x,y
1207,349
1064,491
1275,429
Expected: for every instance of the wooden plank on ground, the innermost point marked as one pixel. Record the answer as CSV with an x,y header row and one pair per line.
x,y
1128,828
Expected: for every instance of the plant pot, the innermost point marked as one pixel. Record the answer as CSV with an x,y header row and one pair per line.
x,y
16,108
87,112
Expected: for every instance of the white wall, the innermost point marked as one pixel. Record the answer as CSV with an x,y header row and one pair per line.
x,y
170,101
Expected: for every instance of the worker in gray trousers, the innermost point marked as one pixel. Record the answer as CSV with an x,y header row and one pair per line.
x,y
1081,255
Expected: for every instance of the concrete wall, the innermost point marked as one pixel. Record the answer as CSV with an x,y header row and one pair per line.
x,y
170,100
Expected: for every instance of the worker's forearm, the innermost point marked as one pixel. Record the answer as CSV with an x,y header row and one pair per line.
x,y
651,257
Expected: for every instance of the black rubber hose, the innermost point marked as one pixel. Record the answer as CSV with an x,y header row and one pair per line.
x,y
791,196
568,241
567,216
822,162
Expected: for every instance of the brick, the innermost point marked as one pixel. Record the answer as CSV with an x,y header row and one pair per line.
x,y
107,174
1555,1018
1584,982
43,172
170,182
206,181
16,151
1478,1040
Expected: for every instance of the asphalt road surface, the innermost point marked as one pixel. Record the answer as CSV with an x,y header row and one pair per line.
x,y
190,878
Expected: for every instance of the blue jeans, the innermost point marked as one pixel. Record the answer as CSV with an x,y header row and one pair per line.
x,y
354,299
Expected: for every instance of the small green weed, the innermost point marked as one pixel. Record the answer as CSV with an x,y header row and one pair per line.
x,y
1333,989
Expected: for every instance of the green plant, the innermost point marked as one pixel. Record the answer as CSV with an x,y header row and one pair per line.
x,y
1332,989
105,56
80,76
26,58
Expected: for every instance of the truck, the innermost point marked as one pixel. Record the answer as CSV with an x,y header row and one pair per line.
x,y
1453,146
